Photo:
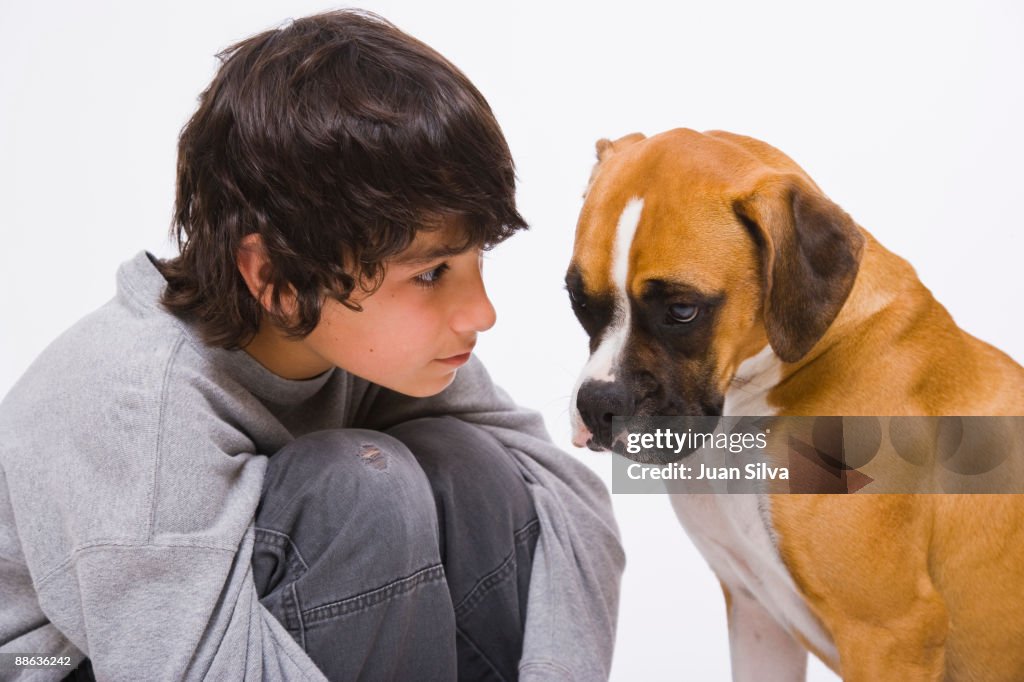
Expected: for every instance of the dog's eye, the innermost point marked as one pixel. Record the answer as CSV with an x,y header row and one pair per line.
x,y
577,299
679,313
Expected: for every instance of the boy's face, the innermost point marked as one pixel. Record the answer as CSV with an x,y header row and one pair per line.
x,y
413,332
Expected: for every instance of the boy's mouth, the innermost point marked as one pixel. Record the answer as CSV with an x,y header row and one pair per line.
x,y
457,360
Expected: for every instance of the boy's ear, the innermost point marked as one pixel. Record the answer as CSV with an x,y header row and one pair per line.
x,y
605,149
254,266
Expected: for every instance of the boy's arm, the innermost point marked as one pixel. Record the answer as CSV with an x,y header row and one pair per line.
x,y
574,587
126,511
140,624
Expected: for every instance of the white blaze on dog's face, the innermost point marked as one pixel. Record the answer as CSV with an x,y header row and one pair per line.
x,y
683,242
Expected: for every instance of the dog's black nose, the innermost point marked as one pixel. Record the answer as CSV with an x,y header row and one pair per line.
x,y
598,402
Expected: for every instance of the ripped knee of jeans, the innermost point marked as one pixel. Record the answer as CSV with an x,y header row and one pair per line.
x,y
372,456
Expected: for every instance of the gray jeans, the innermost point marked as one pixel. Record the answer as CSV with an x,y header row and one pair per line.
x,y
403,555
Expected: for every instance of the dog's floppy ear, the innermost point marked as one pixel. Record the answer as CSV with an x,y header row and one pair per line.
x,y
606,149
810,253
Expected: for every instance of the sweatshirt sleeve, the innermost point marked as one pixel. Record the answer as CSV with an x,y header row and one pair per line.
x,y
132,484
139,624
578,563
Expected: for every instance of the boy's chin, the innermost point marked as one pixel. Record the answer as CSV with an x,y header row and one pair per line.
x,y
425,388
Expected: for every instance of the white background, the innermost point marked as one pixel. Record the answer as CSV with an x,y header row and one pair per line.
x,y
906,114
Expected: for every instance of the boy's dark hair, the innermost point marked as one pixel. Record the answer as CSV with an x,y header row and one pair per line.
x,y
336,139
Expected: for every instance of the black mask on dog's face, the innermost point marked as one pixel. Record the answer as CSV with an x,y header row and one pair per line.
x,y
662,363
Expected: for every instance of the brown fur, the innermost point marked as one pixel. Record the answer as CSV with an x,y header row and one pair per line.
x,y
910,587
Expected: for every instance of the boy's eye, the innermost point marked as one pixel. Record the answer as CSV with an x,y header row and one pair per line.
x,y
430,278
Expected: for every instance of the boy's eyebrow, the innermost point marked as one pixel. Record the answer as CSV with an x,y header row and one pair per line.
x,y
418,256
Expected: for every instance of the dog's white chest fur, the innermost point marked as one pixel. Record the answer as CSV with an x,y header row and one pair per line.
x,y
756,376
734,531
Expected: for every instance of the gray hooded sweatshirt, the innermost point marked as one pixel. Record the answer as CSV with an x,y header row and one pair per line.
x,y
131,464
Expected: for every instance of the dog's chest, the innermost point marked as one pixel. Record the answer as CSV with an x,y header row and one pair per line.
x,y
733,533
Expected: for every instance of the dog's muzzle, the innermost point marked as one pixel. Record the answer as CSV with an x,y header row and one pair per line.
x,y
598,402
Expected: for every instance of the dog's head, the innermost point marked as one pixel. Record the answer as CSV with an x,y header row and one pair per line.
x,y
693,251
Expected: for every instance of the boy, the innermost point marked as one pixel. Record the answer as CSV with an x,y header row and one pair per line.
x,y
274,456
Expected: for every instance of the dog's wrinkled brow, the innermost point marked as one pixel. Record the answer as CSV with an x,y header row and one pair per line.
x,y
661,289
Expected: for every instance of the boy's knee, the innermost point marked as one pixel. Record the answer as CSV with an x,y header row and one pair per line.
x,y
487,519
466,464
363,485
345,458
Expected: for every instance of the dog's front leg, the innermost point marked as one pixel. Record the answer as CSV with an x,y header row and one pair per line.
x,y
759,648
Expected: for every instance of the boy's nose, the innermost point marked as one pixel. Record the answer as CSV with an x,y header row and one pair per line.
x,y
475,312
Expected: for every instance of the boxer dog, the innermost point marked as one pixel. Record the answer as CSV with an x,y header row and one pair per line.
x,y
714,277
